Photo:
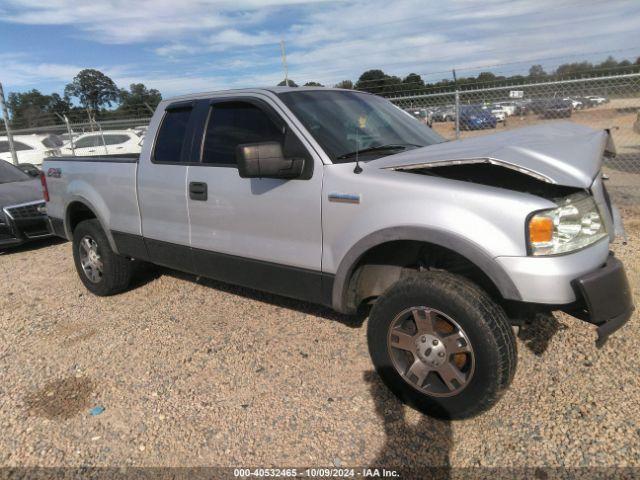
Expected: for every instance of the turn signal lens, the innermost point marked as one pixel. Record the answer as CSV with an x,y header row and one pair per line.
x,y
540,229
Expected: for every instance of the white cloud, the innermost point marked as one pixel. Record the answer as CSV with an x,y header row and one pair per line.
x,y
21,73
124,21
214,44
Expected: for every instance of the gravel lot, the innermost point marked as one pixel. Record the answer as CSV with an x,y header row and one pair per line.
x,y
197,373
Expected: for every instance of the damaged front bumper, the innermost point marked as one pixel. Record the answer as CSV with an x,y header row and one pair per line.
x,y
607,298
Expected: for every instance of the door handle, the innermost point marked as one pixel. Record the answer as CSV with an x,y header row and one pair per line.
x,y
198,191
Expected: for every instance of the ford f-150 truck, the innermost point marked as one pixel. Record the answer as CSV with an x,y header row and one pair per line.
x,y
339,197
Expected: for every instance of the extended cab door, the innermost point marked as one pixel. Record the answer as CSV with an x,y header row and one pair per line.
x,y
261,233
162,191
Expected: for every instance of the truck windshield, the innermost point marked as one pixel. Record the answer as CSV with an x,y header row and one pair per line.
x,y
9,173
344,122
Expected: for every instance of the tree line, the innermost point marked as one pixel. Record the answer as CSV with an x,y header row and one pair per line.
x,y
95,93
378,82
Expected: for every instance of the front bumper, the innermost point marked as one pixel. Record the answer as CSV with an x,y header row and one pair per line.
x,y
607,298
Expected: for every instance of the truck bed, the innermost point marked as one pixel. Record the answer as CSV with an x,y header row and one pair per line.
x,y
115,158
107,182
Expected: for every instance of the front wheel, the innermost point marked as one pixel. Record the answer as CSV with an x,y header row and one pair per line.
x,y
442,345
101,270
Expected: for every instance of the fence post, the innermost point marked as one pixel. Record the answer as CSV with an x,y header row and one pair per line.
x,y
5,116
104,144
457,114
73,149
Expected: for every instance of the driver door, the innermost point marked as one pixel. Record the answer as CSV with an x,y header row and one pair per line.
x,y
261,233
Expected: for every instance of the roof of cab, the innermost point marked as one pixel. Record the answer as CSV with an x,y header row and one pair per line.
x,y
272,90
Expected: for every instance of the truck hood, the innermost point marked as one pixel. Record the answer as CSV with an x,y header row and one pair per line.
x,y
15,193
561,153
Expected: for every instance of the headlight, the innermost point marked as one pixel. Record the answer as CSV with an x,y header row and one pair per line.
x,y
575,224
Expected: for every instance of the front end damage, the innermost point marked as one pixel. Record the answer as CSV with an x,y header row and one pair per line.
x,y
600,295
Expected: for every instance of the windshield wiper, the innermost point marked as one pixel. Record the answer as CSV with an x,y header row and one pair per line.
x,y
377,148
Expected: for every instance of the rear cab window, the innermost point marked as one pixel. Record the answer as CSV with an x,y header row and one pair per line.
x,y
171,135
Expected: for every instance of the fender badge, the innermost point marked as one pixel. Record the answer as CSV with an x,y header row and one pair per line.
x,y
54,172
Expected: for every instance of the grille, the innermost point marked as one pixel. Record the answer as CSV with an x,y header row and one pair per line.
x,y
19,212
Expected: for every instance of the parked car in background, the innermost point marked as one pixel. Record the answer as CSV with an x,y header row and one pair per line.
x,y
66,138
22,207
557,108
586,102
449,243
29,168
422,114
597,100
499,112
523,107
474,117
509,108
575,103
31,149
105,143
444,114
539,105
140,130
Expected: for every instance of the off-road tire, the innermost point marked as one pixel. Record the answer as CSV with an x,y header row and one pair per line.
x,y
484,322
117,270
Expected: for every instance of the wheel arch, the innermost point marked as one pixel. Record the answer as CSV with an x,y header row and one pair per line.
x,y
79,209
381,274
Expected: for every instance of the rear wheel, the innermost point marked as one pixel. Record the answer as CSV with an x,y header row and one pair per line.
x,y
101,270
442,345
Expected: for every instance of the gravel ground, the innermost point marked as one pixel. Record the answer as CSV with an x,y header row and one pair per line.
x,y
196,373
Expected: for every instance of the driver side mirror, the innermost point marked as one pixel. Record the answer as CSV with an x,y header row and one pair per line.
x,y
266,160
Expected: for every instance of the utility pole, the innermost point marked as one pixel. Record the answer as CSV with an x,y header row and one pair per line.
x,y
5,116
284,63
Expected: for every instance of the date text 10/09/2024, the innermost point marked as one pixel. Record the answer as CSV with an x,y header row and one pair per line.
x,y
316,472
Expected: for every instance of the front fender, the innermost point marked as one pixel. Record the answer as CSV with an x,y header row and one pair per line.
x,y
470,250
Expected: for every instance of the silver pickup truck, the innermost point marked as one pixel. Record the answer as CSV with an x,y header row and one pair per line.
x,y
340,198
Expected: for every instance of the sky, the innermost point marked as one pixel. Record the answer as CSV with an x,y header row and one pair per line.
x,y
188,46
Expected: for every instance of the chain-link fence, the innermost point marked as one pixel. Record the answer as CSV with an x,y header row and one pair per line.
x,y
79,132
611,103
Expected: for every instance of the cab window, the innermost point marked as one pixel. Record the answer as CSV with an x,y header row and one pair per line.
x,y
233,123
171,135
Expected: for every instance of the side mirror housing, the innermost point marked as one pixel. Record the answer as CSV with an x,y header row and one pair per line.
x,y
266,160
